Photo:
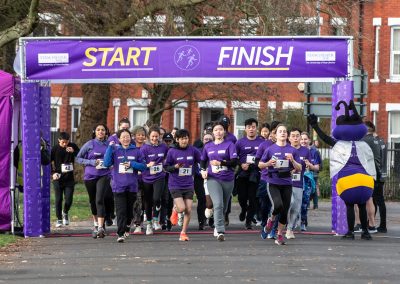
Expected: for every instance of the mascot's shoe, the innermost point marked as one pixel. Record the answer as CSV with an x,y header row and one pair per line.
x,y
348,236
366,236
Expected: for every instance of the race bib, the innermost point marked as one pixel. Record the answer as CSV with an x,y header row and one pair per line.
x,y
156,169
250,159
101,166
123,170
295,177
217,169
66,168
282,164
185,171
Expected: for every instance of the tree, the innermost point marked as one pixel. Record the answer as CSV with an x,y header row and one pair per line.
x,y
17,18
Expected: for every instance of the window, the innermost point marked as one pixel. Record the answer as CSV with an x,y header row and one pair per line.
x,y
249,26
394,127
55,118
304,26
179,118
395,54
240,116
213,25
75,120
150,26
138,116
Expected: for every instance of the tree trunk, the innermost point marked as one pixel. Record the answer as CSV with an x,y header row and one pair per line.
x,y
160,94
94,110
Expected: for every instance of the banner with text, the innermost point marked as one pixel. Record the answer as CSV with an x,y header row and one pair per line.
x,y
185,59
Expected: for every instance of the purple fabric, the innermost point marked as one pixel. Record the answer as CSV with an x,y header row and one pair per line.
x,y
245,147
304,153
45,122
187,59
224,151
189,158
155,154
93,150
261,149
6,91
280,153
33,205
230,137
343,90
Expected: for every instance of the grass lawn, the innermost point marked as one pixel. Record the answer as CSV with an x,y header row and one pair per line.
x,y
6,239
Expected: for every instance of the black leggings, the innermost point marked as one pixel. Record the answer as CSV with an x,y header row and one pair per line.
x,y
124,205
152,197
280,196
362,208
379,202
247,192
61,189
201,199
97,189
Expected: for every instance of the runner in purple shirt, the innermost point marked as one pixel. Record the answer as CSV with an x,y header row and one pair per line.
x,y
248,176
154,152
126,160
281,159
181,164
96,176
221,157
124,123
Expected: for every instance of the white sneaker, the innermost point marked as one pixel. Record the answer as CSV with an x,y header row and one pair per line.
x,y
149,229
59,223
290,234
126,235
221,237
215,232
180,219
65,219
120,239
156,225
138,230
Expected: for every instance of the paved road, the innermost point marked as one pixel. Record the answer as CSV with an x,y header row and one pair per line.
x,y
243,257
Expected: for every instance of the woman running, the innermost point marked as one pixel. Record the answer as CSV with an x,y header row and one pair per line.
x,y
154,153
222,158
126,160
96,176
180,163
281,159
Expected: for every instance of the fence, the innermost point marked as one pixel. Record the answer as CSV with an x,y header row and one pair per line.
x,y
392,181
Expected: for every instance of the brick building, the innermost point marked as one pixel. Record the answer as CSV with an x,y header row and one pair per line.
x,y
376,50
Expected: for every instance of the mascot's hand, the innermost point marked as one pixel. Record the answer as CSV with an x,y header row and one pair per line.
x,y
312,120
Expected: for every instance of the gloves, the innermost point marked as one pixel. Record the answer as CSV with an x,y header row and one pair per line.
x,y
312,120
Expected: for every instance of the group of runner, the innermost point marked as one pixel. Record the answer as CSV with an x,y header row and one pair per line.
x,y
149,178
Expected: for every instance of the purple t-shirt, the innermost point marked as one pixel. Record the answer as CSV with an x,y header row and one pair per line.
x,y
230,137
182,178
297,178
283,166
224,151
246,149
157,154
261,149
90,152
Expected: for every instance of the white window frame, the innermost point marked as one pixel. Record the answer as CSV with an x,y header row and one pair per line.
x,y
243,106
390,135
116,105
73,129
249,27
393,77
377,22
340,24
132,109
182,117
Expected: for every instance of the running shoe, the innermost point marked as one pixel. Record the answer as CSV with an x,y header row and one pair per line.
x,y
242,215
382,230
183,237
180,219
174,217
366,236
138,230
249,225
289,234
221,237
94,232
126,234
149,229
372,230
215,232
65,219
108,221
303,227
348,236
59,223
156,225
101,233
272,234
280,241
264,234
269,225
357,228
120,239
